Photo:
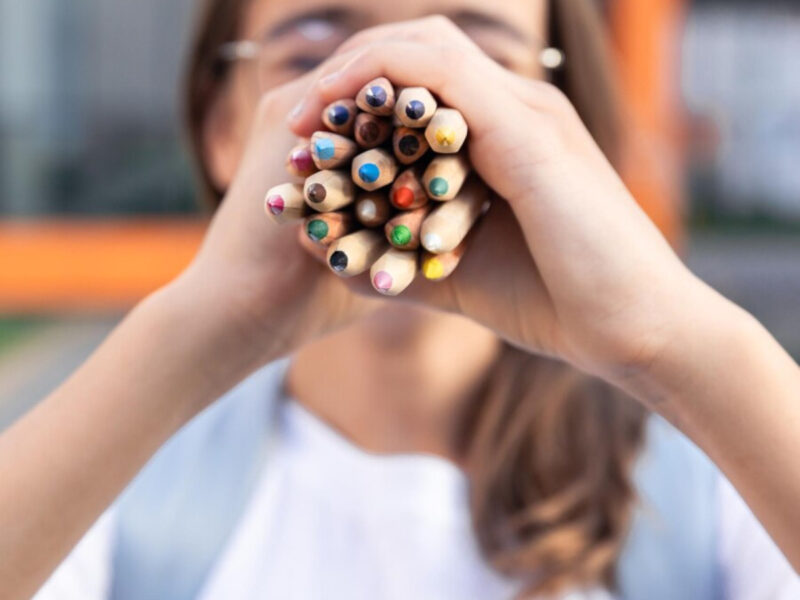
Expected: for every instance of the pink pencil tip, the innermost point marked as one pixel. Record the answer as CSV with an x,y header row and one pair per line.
x,y
382,281
275,204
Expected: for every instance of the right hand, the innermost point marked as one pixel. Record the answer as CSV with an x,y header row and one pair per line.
x,y
250,272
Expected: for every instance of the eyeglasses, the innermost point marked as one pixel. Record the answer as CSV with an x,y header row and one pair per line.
x,y
279,64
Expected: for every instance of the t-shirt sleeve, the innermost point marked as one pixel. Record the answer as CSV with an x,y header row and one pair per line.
x,y
752,566
86,573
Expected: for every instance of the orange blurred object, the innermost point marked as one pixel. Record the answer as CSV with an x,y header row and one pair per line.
x,y
71,266
647,37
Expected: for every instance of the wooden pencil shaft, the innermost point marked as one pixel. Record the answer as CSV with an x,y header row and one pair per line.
x,y
450,222
340,116
407,191
415,106
325,228
331,150
394,271
326,191
299,162
373,209
372,131
447,131
445,176
355,253
409,145
374,169
285,203
377,97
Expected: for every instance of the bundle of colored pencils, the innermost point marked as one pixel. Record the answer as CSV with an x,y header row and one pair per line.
x,y
387,187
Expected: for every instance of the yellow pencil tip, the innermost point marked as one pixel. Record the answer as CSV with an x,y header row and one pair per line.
x,y
446,136
432,268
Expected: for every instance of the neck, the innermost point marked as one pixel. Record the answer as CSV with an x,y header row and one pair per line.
x,y
398,381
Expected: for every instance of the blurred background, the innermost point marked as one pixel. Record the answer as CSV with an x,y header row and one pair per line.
x,y
97,205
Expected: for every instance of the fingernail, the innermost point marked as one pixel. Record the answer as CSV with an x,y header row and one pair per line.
x,y
297,110
329,79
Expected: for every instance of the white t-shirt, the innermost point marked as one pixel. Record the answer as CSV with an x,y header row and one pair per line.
x,y
328,520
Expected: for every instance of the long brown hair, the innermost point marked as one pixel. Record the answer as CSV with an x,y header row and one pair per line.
x,y
550,451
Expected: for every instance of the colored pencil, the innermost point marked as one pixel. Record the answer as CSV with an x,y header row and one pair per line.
x,y
403,229
326,191
450,222
445,175
409,145
394,271
437,267
407,192
377,97
340,116
373,209
325,228
299,162
415,106
447,131
285,203
372,131
331,150
355,253
374,169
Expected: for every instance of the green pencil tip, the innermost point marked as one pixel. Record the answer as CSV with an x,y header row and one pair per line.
x,y
401,235
317,230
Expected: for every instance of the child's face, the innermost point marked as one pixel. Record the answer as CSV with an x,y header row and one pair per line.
x,y
299,34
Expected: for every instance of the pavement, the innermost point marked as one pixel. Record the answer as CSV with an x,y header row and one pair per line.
x,y
759,272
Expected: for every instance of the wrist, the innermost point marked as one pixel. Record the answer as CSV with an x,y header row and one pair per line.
x,y
205,336
706,336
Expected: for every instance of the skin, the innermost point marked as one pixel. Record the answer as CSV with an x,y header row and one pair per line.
x,y
585,277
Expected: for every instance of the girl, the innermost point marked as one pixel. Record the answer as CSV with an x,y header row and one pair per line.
x,y
423,449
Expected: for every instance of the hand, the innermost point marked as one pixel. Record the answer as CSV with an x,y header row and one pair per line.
x,y
255,284
570,266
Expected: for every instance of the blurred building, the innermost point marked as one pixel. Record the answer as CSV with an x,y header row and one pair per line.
x,y
741,84
88,106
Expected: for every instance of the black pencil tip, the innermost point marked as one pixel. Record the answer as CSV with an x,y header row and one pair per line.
x,y
338,261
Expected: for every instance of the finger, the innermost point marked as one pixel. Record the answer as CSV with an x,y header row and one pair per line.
x,y
467,81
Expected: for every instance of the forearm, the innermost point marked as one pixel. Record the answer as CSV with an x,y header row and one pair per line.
x,y
67,460
729,385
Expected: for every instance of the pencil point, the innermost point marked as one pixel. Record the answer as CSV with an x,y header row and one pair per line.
x,y
317,229
432,268
401,235
301,160
338,261
432,242
276,204
439,186
317,193
369,172
446,136
376,96
339,114
403,197
324,148
415,110
382,281
408,145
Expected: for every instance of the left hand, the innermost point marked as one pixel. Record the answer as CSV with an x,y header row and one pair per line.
x,y
570,266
